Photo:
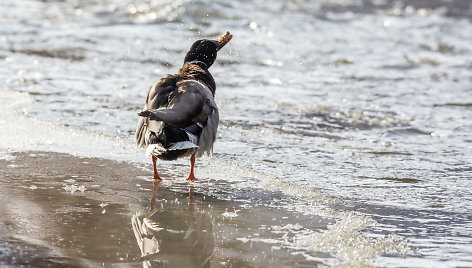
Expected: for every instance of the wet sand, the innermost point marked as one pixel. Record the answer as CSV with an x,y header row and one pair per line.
x,y
65,211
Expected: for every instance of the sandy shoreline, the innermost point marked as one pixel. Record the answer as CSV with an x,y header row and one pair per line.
x,y
49,225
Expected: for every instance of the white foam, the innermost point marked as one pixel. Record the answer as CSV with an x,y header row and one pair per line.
x,y
23,133
353,248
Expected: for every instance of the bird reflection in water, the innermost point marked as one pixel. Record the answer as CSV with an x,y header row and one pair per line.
x,y
174,235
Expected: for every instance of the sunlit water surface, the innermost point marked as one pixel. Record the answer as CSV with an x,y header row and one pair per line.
x,y
368,102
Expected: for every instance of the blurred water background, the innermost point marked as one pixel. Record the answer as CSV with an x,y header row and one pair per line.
x,y
367,101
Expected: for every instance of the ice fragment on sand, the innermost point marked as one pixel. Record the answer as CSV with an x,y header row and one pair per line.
x,y
73,188
231,214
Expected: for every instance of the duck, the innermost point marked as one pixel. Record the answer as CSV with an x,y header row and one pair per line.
x,y
180,117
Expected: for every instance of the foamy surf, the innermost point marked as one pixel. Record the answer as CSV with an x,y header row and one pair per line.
x,y
20,132
345,237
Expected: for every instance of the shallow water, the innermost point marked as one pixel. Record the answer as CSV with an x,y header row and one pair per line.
x,y
105,213
364,102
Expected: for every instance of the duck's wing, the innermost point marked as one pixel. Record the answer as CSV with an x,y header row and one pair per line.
x,y
158,96
140,134
188,106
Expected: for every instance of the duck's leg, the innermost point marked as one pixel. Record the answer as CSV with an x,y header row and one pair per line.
x,y
156,175
191,176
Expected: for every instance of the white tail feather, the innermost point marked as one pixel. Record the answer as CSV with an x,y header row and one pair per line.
x,y
155,149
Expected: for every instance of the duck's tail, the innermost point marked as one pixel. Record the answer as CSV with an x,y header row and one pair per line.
x,y
171,143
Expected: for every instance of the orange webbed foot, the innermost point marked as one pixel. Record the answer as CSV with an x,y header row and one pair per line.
x,y
192,178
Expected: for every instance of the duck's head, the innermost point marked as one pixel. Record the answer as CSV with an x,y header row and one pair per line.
x,y
203,52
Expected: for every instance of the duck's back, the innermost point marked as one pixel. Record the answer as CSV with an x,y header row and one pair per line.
x,y
181,103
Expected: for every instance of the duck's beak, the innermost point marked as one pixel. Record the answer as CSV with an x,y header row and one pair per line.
x,y
223,40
